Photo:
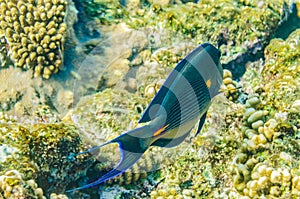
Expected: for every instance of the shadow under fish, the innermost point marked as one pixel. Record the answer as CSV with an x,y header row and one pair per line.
x,y
181,102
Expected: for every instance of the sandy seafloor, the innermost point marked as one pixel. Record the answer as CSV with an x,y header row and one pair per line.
x,y
75,74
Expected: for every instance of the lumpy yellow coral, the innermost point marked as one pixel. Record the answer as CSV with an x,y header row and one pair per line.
x,y
34,33
231,86
13,186
281,71
268,164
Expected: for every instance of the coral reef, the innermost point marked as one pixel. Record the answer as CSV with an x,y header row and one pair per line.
x,y
13,186
276,177
148,50
244,151
265,161
107,114
5,118
252,128
247,134
114,58
24,97
152,72
139,171
13,142
4,60
44,114
34,34
267,164
59,196
107,12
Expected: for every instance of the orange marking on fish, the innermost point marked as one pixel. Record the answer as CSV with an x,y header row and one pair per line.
x,y
159,131
208,83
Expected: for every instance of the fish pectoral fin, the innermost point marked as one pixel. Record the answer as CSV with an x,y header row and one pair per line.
x,y
127,160
201,123
160,131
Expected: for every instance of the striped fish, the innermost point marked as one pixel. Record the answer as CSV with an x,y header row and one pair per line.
x,y
181,102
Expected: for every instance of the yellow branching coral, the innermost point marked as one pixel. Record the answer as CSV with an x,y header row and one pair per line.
x,y
34,33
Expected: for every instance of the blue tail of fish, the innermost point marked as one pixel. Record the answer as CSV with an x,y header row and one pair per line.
x,y
130,150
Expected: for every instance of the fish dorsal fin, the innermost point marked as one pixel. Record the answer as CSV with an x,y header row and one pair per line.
x,y
152,109
201,123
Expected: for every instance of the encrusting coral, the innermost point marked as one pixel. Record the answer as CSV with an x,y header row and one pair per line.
x,y
34,34
13,186
58,196
253,122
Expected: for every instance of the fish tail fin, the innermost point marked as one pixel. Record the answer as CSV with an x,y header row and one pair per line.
x,y
126,162
131,151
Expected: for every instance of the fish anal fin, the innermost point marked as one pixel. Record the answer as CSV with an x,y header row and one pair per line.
x,y
201,123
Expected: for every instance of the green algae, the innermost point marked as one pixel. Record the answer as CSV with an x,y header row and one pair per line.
x,y
237,24
107,11
281,72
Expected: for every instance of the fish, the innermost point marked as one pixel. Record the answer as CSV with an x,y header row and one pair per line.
x,y
181,102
